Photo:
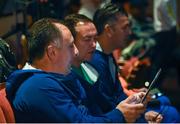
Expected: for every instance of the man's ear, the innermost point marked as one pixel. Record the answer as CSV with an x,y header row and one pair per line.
x,y
108,30
51,52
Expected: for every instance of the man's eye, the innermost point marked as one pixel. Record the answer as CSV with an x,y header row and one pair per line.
x,y
87,39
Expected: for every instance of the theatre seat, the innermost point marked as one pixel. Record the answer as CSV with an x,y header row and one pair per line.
x,y
6,113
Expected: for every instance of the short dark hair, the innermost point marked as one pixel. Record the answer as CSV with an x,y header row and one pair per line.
x,y
107,14
71,21
41,34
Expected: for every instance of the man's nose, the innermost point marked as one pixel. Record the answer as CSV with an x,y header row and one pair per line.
x,y
93,43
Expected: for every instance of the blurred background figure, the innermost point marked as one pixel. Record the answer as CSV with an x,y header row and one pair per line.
x,y
7,61
88,7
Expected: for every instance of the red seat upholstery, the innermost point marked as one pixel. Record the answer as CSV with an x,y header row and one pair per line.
x,y
6,113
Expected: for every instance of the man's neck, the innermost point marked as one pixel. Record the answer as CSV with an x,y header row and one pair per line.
x,y
104,44
76,63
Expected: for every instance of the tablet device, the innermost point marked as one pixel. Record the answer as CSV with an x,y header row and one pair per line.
x,y
151,85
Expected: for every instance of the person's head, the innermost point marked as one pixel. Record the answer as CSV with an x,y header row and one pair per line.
x,y
112,23
51,44
91,3
138,9
84,33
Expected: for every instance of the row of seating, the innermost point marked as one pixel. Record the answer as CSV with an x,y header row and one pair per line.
x,y
6,112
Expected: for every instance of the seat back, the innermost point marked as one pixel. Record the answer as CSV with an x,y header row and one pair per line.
x,y
2,85
6,112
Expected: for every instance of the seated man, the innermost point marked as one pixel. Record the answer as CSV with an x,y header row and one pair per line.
x,y
45,93
113,28
84,33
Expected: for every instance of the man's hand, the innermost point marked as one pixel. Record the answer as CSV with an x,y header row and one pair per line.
x,y
153,117
148,97
131,107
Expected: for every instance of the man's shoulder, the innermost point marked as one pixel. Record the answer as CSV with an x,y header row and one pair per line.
x,y
31,78
21,75
47,78
99,60
99,56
